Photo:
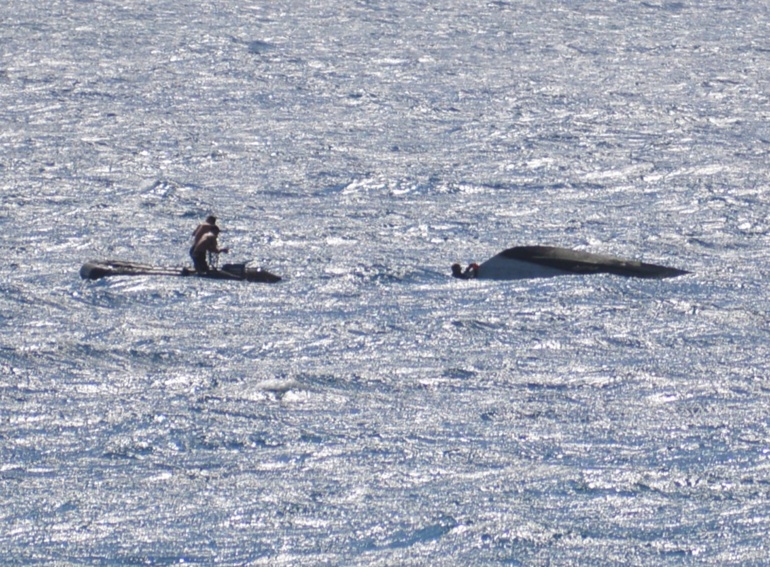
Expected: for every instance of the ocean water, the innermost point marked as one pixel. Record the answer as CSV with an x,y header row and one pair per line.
x,y
369,409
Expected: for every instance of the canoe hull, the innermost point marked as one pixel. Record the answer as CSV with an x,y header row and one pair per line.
x,y
97,269
522,262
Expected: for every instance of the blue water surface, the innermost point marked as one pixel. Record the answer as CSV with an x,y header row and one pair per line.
x,y
369,409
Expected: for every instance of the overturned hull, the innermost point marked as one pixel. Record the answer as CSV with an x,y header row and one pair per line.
x,y
523,262
97,269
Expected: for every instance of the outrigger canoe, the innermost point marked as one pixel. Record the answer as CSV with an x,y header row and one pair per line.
x,y
96,269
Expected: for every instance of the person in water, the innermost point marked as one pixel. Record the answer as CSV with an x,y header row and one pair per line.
x,y
206,243
472,271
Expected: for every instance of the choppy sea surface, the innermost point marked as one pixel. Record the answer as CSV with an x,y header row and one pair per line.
x,y
369,409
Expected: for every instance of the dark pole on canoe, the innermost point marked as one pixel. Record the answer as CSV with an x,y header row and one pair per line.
x,y
214,260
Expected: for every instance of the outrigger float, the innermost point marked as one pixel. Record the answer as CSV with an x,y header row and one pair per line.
x,y
97,269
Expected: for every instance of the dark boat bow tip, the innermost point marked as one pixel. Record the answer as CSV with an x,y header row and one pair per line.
x,y
93,271
661,272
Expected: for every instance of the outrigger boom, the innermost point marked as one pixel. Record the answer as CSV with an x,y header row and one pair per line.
x,y
97,269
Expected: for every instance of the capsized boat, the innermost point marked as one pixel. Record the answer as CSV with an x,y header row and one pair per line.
x,y
96,269
522,262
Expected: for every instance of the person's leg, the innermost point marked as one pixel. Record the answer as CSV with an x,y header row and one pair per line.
x,y
199,262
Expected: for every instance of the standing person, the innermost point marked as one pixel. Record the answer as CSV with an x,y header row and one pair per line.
x,y
207,243
200,231
203,228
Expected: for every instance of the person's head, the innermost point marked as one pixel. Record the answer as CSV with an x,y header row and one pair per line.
x,y
211,219
214,230
457,270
